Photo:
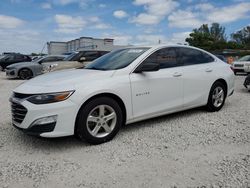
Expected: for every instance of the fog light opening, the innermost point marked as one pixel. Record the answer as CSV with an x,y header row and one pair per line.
x,y
45,120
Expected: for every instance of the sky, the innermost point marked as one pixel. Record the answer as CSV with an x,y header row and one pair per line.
x,y
26,25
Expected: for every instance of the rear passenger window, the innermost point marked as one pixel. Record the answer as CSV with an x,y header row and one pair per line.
x,y
166,58
188,56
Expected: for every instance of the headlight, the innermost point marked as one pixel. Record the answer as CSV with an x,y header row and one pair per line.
x,y
50,97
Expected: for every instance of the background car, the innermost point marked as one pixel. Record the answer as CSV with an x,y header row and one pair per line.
x,y
12,58
75,60
242,65
27,70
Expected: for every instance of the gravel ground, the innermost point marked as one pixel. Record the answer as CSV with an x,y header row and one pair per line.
x,y
188,149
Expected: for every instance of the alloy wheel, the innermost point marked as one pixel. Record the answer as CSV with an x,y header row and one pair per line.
x,y
218,96
101,121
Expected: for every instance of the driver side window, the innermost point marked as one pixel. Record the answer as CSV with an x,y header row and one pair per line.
x,y
165,57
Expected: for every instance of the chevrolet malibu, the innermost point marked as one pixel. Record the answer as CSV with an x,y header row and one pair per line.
x,y
121,87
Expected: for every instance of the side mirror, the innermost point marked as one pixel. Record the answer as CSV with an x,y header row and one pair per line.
x,y
82,59
148,67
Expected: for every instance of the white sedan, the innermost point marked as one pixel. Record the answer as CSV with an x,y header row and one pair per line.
x,y
121,87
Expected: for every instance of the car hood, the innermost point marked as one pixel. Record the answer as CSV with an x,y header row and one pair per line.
x,y
19,64
62,80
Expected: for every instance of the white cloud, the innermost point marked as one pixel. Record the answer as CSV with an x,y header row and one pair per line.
x,y
120,14
82,3
69,24
156,11
64,2
9,22
204,6
206,13
25,41
94,19
146,19
96,22
150,39
46,6
102,5
102,26
230,13
179,37
184,19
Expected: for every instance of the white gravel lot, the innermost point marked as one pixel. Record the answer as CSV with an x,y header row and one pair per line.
x,y
188,149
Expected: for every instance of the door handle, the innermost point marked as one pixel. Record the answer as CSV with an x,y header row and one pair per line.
x,y
209,70
177,74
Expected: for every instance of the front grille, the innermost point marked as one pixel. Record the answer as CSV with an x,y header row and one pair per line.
x,y
18,112
238,65
21,95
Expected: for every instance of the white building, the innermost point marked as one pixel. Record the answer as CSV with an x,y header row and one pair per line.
x,y
80,44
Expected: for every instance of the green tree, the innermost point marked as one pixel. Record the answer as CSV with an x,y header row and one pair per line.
x,y
242,37
208,38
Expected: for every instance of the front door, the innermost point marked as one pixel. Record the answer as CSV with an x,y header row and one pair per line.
x,y
161,91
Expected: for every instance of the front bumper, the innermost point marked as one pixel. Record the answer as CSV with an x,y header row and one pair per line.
x,y
38,129
65,112
11,73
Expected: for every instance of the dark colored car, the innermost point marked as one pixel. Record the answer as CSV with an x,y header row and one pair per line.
x,y
10,59
247,82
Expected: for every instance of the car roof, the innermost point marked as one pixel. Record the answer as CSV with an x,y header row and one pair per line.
x,y
161,46
155,47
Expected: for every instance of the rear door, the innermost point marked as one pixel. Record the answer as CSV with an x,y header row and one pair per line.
x,y
198,77
160,91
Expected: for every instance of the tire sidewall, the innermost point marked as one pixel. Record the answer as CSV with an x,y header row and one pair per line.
x,y
210,105
81,126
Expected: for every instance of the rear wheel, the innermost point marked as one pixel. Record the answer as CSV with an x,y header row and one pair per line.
x,y
216,97
25,74
99,120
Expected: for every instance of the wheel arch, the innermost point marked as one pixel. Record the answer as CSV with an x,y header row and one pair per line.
x,y
106,94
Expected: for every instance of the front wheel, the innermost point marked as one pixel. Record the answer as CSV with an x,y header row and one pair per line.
x,y
99,120
25,74
216,97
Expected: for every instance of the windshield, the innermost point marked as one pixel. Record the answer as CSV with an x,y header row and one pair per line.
x,y
245,58
70,57
2,56
117,59
38,59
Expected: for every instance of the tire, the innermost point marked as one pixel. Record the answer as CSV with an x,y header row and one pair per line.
x,y
1,68
25,74
215,100
99,120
